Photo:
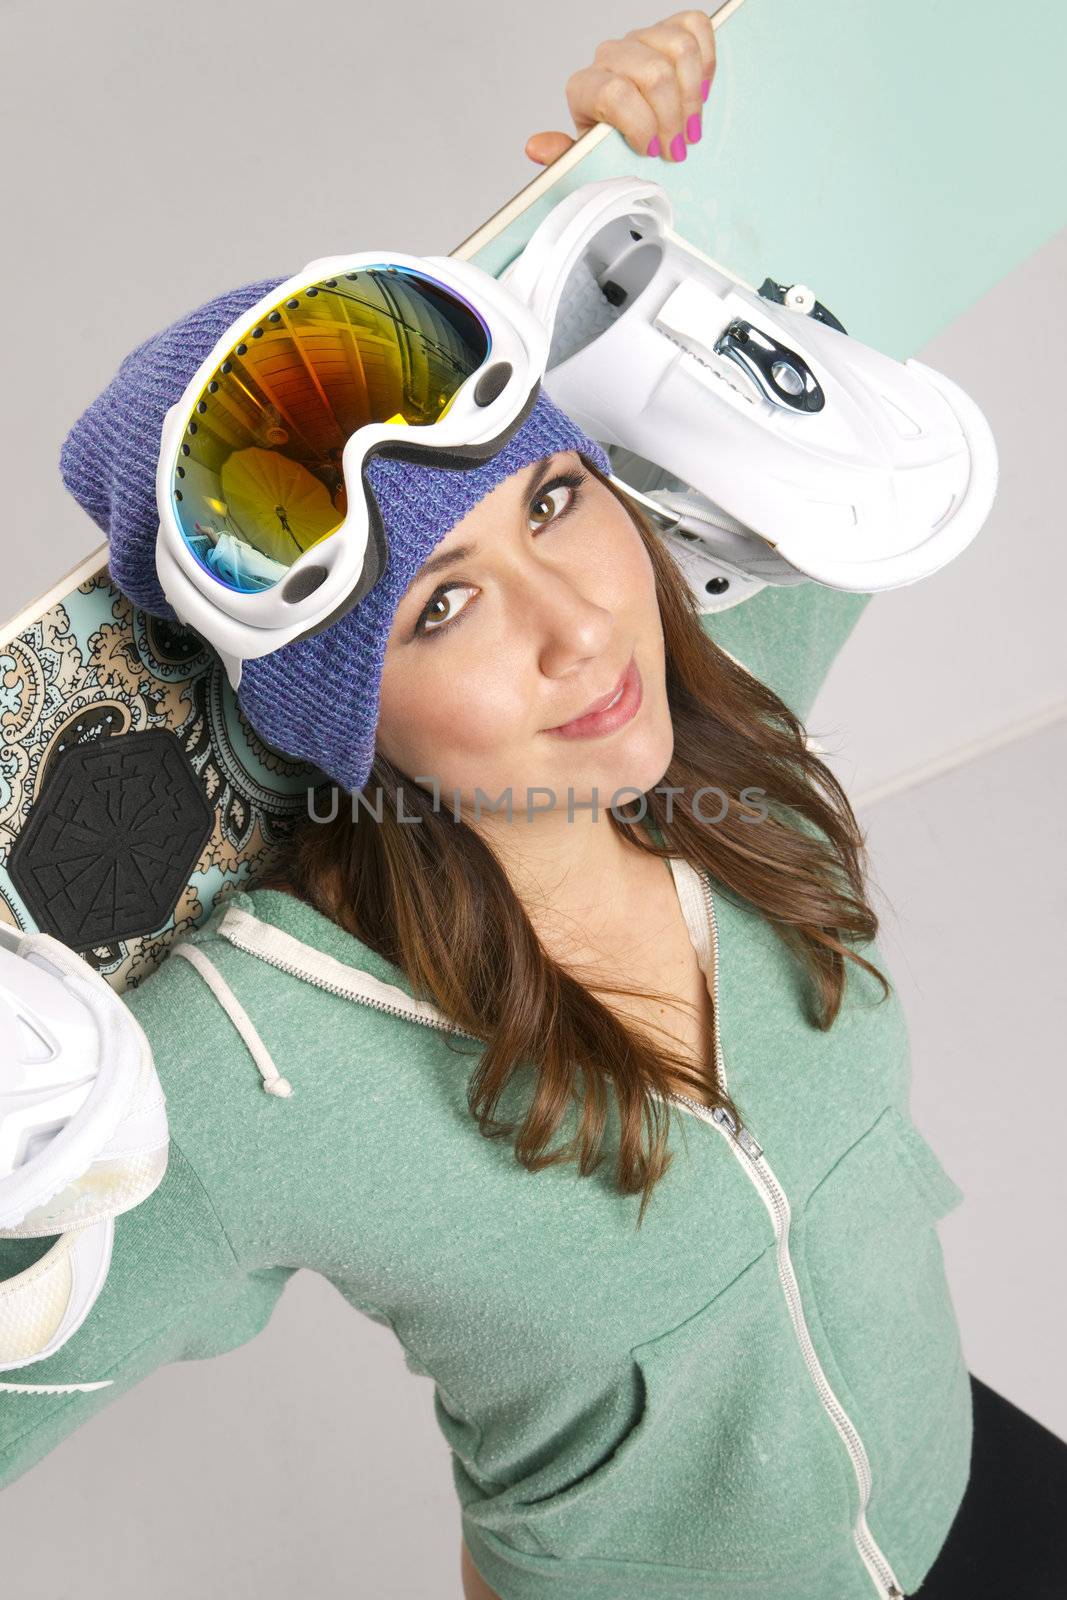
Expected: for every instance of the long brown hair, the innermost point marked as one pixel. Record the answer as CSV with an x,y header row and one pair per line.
x,y
433,899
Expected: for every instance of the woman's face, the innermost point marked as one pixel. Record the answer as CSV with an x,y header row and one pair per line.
x,y
494,648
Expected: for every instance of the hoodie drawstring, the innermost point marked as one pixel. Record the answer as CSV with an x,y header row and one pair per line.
x,y
273,1082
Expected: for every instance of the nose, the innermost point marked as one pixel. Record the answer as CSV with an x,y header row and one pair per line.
x,y
571,627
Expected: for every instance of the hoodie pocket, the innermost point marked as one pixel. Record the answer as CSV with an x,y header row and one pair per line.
x,y
943,1193
872,1276
731,1467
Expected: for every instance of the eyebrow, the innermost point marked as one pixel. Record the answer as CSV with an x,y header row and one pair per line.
x,y
463,552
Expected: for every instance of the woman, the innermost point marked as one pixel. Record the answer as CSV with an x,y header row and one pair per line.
x,y
599,1103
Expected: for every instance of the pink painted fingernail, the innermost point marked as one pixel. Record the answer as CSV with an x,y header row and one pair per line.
x,y
692,128
653,146
678,148
704,87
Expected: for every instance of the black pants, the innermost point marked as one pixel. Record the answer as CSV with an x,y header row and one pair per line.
x,y
1009,1537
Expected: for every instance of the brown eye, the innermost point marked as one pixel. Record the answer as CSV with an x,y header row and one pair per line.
x,y
435,621
546,499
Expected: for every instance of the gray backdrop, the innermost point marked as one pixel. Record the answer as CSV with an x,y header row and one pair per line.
x,y
265,1473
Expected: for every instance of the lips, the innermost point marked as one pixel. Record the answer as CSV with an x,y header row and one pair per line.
x,y
602,701
609,713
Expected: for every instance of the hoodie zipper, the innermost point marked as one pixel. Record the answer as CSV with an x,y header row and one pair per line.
x,y
251,934
750,1154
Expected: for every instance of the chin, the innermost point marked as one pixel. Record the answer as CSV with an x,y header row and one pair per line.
x,y
640,767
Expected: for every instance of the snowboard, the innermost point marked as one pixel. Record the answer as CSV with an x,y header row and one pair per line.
x,y
841,149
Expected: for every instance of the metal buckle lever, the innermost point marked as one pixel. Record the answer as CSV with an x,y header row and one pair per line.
x,y
780,374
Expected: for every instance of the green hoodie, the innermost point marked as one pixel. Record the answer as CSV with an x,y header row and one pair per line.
x,y
758,1395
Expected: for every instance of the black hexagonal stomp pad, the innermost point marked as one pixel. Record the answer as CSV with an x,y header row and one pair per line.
x,y
112,841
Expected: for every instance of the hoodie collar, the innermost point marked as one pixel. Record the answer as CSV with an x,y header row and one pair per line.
x,y
302,921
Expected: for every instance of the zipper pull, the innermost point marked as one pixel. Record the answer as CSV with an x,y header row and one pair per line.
x,y
749,1144
738,1131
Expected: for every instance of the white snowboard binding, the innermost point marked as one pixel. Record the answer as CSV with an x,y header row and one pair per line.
x,y
799,453
83,1137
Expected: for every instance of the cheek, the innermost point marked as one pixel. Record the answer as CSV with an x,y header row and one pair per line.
x,y
436,717
641,581
619,573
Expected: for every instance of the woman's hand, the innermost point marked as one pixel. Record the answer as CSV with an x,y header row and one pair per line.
x,y
650,84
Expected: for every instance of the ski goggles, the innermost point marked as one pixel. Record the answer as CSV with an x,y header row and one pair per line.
x,y
264,536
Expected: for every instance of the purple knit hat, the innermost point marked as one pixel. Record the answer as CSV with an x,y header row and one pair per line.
x,y
314,699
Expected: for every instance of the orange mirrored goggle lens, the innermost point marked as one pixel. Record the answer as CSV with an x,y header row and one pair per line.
x,y
259,478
